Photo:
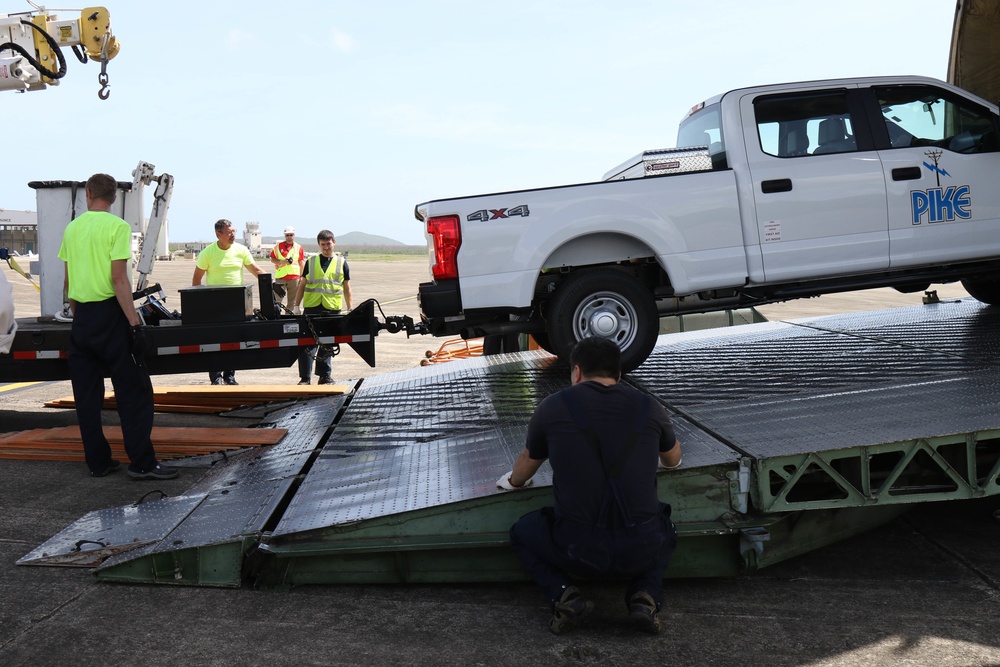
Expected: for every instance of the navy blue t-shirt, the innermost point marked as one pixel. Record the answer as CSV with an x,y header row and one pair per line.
x,y
578,478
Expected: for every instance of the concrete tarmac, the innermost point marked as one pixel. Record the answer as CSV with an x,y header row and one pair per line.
x,y
922,590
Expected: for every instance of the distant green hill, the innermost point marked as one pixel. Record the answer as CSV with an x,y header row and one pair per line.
x,y
350,238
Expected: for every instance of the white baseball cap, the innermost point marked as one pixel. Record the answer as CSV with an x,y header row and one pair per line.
x,y
289,230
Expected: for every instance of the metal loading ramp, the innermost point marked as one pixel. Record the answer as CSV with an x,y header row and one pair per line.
x,y
796,435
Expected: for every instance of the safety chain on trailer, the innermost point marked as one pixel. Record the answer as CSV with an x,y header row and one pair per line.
x,y
322,351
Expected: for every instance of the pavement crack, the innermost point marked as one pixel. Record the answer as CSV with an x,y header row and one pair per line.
x,y
956,556
43,618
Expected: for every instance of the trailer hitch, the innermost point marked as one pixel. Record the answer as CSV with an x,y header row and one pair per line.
x,y
396,323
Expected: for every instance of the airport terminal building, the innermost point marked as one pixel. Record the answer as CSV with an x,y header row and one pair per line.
x,y
19,231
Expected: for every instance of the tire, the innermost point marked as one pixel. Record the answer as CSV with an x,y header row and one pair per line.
x,y
608,303
542,339
986,290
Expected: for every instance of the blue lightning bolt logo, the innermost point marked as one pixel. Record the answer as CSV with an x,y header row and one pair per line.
x,y
934,168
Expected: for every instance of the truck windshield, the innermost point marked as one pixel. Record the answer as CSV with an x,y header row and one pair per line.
x,y
702,128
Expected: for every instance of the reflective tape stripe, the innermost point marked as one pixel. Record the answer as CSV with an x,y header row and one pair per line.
x,y
262,344
41,354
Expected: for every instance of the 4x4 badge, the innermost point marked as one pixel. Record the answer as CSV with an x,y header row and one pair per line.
x,y
498,213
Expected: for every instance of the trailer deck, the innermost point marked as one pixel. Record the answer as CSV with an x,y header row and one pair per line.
x,y
796,435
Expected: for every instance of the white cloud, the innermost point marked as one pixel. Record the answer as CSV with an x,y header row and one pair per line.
x,y
342,41
237,37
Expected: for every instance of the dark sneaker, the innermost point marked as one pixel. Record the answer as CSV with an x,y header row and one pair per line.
x,y
160,471
303,381
217,381
642,613
231,381
325,381
114,465
571,609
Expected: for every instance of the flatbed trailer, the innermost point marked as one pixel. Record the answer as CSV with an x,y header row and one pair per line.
x,y
40,350
796,435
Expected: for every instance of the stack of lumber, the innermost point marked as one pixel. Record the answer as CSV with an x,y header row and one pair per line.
x,y
63,443
212,399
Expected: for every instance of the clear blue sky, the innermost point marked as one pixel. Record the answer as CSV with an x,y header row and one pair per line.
x,y
344,115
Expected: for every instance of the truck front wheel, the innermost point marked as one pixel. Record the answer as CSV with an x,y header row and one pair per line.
x,y
986,290
607,303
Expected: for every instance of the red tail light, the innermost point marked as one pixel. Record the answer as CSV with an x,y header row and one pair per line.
x,y
446,233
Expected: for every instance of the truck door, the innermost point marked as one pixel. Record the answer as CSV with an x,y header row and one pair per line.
x,y
818,185
941,156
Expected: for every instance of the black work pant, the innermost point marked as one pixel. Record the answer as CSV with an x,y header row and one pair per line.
x,y
539,541
100,345
324,365
225,376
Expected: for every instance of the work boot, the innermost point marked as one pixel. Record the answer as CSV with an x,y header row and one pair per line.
x,y
642,613
231,381
303,381
569,611
324,381
217,381
112,466
159,471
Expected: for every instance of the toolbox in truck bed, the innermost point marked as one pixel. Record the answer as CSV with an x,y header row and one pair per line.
x,y
662,161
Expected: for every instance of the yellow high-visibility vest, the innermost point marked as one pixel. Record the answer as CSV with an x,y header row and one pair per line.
x,y
285,269
324,288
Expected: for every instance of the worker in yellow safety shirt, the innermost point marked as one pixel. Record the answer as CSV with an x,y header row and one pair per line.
x,y
289,260
324,289
106,336
222,264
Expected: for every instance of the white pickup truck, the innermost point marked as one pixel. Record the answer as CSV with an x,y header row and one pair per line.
x,y
795,190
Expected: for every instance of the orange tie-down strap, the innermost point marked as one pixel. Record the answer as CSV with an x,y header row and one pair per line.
x,y
212,399
171,442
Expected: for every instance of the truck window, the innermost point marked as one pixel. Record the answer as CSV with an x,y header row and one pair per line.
x,y
798,125
927,116
703,127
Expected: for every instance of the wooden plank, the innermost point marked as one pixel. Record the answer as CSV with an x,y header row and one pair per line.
x,y
212,398
173,434
63,443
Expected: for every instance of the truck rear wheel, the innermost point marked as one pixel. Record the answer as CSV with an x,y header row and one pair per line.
x,y
986,290
607,303
542,339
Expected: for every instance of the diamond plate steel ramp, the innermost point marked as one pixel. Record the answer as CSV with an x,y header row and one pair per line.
x,y
199,537
833,415
405,488
835,382
91,540
207,548
416,440
881,407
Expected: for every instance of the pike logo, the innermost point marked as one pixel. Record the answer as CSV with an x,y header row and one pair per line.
x,y
941,204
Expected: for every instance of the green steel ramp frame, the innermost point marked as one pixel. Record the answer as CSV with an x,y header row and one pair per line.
x,y
796,435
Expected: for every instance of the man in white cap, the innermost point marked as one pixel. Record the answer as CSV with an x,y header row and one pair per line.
x,y
288,258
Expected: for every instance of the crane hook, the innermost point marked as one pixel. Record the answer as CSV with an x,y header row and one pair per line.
x,y
102,79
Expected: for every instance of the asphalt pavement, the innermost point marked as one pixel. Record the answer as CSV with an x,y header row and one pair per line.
x,y
922,590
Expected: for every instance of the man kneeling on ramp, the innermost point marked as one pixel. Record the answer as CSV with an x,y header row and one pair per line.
x,y
605,442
